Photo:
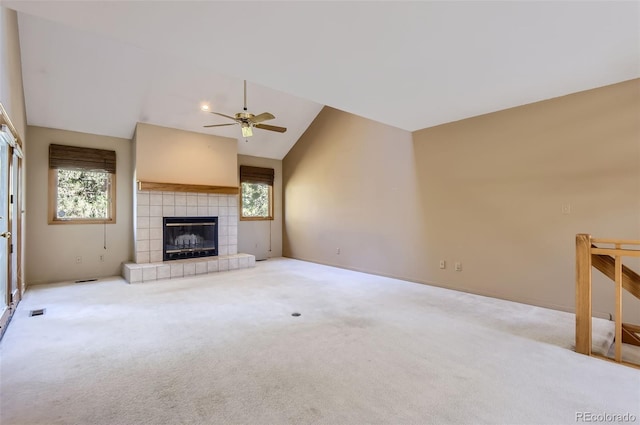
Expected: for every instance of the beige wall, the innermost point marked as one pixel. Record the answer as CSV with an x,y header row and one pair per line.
x,y
52,249
11,89
12,98
487,192
167,155
263,238
341,191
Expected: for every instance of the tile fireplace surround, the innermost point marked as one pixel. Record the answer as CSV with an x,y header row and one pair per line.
x,y
152,206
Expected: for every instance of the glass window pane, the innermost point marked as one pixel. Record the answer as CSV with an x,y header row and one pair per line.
x,y
83,194
255,200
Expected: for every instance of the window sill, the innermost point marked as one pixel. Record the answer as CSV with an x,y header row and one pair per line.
x,y
83,221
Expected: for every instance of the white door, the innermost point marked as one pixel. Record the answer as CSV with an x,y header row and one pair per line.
x,y
14,205
5,235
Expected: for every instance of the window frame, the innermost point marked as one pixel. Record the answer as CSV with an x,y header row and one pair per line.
x,y
257,175
53,182
270,207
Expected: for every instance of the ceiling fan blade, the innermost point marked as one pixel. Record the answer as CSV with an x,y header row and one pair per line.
x,y
270,128
265,116
218,125
222,115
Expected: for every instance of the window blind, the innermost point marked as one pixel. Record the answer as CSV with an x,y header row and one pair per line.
x,y
77,158
256,175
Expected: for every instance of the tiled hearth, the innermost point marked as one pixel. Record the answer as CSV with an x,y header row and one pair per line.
x,y
138,273
152,206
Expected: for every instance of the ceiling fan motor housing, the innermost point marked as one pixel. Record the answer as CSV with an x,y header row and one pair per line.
x,y
244,116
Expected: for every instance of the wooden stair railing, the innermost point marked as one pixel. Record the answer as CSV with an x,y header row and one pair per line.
x,y
631,334
609,262
606,265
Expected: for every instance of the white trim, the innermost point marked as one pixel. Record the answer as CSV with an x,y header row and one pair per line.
x,y
7,136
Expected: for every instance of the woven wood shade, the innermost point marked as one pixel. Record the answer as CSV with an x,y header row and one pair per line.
x,y
256,175
78,158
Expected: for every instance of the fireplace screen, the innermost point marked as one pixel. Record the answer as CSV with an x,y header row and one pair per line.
x,y
190,237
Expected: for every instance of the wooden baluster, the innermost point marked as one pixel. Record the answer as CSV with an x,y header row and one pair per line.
x,y
583,294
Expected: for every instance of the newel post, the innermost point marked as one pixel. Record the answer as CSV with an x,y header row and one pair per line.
x,y
583,294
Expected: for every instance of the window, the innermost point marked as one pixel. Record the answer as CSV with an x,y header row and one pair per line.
x,y
81,185
256,193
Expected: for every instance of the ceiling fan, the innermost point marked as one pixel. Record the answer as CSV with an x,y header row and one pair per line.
x,y
248,121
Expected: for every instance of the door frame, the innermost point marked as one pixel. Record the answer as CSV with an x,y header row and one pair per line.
x,y
14,216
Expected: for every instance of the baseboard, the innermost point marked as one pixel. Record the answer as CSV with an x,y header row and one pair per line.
x,y
489,294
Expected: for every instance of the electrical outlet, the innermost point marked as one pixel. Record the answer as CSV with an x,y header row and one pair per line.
x,y
443,264
78,259
566,208
102,258
458,267
338,251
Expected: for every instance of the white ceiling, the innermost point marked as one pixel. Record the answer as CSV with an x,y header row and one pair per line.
x,y
100,67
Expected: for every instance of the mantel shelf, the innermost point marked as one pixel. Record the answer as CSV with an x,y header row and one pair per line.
x,y
179,187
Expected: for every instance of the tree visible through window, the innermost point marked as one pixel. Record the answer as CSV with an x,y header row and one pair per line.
x,y
256,197
83,195
255,200
81,185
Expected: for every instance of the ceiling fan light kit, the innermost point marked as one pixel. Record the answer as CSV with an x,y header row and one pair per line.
x,y
248,121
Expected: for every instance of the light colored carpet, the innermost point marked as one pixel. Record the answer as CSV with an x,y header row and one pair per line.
x,y
224,349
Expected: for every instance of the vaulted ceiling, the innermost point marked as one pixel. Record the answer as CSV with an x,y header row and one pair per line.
x,y
101,66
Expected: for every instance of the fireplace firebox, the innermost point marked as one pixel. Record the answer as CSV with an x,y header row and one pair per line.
x,y
190,237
